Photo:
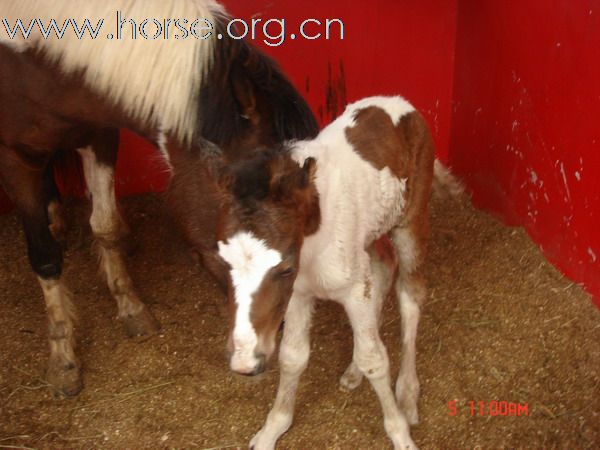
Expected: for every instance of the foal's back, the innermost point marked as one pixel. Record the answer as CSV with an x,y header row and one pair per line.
x,y
375,166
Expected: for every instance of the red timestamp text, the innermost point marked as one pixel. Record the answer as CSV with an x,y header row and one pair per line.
x,y
488,408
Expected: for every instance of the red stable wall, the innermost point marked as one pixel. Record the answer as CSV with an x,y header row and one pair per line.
x,y
525,124
376,56
498,81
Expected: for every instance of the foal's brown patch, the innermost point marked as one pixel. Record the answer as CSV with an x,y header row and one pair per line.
x,y
406,148
377,140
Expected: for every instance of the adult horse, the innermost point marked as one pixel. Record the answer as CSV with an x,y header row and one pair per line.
x,y
61,95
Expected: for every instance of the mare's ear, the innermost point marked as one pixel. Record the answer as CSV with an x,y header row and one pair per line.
x,y
246,98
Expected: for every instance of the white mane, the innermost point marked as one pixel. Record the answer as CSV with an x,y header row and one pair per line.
x,y
156,81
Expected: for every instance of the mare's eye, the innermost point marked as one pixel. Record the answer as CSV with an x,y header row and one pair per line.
x,y
286,272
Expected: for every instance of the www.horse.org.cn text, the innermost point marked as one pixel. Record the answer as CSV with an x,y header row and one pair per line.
x,y
272,32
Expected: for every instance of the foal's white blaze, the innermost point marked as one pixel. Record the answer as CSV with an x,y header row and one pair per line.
x,y
250,259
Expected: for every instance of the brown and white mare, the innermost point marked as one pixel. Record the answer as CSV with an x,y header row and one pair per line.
x,y
300,222
69,95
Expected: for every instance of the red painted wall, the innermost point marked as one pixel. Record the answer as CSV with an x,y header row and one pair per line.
x,y
389,47
525,127
510,89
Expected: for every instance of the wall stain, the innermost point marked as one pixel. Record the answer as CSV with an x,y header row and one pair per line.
x,y
335,92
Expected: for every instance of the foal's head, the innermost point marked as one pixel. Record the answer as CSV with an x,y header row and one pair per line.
x,y
271,204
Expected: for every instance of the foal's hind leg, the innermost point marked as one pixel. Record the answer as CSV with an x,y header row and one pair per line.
x,y
25,187
109,229
411,293
383,269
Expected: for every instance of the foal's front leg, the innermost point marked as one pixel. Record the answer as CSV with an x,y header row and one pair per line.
x,y
109,229
293,359
370,356
383,271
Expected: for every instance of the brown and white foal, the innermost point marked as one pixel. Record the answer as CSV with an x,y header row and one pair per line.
x,y
298,224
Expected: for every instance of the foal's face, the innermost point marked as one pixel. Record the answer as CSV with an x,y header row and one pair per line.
x,y
260,240
262,274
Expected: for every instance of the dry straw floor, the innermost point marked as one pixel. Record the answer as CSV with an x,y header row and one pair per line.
x,y
500,324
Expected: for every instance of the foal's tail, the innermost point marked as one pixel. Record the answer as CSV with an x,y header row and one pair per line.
x,y
444,183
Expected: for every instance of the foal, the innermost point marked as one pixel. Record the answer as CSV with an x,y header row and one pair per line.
x,y
297,225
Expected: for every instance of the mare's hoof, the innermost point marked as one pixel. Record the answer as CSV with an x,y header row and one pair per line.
x,y
129,246
65,379
142,324
58,224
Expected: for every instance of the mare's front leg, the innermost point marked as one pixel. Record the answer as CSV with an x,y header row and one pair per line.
x,y
293,359
25,186
58,227
110,229
370,356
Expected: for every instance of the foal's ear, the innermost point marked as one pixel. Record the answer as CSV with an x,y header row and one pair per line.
x,y
289,186
308,198
225,180
309,169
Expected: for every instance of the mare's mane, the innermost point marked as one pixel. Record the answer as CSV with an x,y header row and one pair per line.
x,y
155,81
239,63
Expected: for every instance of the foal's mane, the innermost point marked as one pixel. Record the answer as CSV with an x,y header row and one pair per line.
x,y
272,177
252,176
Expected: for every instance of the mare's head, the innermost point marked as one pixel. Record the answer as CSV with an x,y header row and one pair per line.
x,y
270,205
247,102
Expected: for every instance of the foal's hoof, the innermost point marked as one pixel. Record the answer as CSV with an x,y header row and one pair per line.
x,y
411,413
351,378
141,324
259,442
407,397
65,379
